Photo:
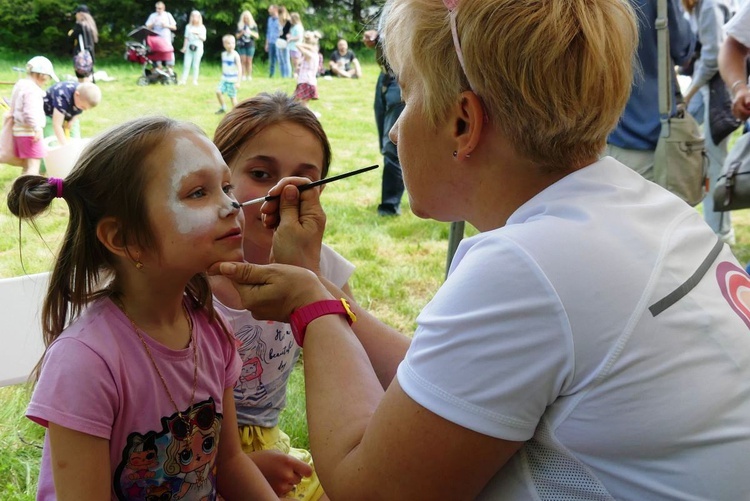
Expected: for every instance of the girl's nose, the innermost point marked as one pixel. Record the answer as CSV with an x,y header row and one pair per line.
x,y
231,209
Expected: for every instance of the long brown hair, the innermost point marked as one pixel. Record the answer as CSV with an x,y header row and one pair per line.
x,y
109,180
252,115
87,20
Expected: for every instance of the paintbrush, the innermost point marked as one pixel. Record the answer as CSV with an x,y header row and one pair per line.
x,y
312,185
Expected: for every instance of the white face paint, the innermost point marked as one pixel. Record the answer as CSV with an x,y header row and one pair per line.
x,y
189,158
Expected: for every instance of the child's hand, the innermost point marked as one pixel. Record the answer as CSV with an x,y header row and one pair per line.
x,y
237,84
38,135
281,470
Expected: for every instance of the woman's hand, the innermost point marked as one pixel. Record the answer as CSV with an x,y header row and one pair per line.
x,y
273,291
299,223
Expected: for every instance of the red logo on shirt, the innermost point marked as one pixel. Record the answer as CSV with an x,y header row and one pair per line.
x,y
735,286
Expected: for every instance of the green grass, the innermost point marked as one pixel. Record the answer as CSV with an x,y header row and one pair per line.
x,y
400,261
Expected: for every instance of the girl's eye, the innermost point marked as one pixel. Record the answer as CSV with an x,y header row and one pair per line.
x,y
259,174
199,193
229,188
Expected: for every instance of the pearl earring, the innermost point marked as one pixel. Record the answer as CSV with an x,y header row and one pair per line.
x,y
455,153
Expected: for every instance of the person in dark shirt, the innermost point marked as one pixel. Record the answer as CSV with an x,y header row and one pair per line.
x,y
63,103
388,107
633,141
84,30
343,62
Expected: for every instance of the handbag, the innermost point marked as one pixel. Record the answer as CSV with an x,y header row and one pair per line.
x,y
83,63
192,47
732,190
680,162
7,150
722,122
720,117
281,43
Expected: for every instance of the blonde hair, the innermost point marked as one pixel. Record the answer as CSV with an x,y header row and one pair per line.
x,y
241,22
553,76
294,17
311,37
90,92
195,13
228,37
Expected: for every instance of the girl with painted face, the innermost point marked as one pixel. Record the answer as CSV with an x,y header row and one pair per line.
x,y
129,315
263,140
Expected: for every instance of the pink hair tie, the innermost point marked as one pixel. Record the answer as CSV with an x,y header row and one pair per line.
x,y
452,5
58,183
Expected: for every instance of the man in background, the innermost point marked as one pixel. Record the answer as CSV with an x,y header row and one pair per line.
x,y
162,22
343,62
272,34
388,107
633,142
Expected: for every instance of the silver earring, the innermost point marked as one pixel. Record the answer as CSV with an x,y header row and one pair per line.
x,y
468,155
455,153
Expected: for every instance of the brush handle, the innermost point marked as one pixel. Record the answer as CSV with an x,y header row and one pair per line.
x,y
307,186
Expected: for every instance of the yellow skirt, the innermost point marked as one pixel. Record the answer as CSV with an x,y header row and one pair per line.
x,y
258,438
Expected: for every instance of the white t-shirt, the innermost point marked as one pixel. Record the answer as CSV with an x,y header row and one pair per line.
x,y
160,23
268,352
739,26
542,333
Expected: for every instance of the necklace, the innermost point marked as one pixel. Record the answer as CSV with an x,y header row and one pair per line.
x,y
184,419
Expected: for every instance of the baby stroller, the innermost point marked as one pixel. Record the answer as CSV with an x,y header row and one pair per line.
x,y
152,52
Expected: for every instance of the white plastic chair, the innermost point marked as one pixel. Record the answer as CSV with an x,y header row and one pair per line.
x,y
21,343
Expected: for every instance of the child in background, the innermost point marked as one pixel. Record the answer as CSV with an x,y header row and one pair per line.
x,y
307,79
63,103
231,73
27,108
263,140
135,386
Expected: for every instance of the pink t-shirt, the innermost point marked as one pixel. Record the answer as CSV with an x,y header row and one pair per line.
x,y
98,379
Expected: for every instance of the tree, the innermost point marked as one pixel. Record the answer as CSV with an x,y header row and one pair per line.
x,y
41,26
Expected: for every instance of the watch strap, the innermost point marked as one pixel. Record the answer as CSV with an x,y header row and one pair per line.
x,y
301,317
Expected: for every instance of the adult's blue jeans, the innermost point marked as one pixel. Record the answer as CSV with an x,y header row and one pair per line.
x,y
388,107
271,59
285,64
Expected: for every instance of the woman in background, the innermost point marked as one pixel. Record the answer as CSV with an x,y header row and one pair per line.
x,y
195,35
709,16
282,48
85,27
247,33
295,37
